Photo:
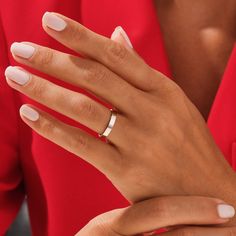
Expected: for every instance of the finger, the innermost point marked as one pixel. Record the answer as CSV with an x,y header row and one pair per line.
x,y
202,231
157,213
113,55
99,154
74,105
101,225
120,36
84,73
69,103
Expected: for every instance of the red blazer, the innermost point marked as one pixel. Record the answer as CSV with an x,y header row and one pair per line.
x,y
63,191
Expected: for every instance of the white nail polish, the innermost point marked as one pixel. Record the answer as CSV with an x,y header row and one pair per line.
x,y
115,34
18,76
54,22
225,211
22,50
29,113
120,30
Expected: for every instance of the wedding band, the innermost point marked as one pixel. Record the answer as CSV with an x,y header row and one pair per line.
x,y
110,125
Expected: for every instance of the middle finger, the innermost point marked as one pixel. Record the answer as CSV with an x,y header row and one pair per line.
x,y
85,73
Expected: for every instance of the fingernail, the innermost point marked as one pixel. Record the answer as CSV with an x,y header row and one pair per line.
x,y
22,50
18,76
120,31
225,211
54,22
29,113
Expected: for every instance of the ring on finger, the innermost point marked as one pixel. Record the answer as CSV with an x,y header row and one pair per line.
x,y
110,125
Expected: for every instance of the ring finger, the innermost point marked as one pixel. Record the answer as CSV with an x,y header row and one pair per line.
x,y
101,155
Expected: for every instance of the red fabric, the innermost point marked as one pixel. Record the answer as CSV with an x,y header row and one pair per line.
x,y
64,192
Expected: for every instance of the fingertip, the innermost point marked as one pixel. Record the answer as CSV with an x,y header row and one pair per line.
x,y
119,35
29,113
225,211
53,21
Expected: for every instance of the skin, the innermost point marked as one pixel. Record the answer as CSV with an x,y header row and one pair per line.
x,y
148,105
199,37
158,213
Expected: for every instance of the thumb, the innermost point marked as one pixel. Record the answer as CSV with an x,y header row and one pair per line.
x,y
162,212
119,35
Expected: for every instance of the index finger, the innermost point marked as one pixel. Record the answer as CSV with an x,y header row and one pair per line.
x,y
113,55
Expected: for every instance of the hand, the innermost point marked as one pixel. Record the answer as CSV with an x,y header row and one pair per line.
x,y
160,144
162,212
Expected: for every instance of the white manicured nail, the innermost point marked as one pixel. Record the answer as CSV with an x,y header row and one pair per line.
x,y
29,113
18,76
120,31
54,22
225,211
22,50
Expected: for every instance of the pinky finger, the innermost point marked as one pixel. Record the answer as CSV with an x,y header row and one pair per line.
x,y
99,154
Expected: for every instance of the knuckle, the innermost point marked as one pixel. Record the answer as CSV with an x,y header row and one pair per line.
x,y
76,33
155,78
47,127
43,57
79,141
160,83
37,88
169,88
84,107
116,52
96,74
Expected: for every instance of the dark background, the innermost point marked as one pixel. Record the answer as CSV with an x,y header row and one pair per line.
x,y
21,227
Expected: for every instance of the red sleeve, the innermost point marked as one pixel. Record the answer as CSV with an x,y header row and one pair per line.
x,y
11,190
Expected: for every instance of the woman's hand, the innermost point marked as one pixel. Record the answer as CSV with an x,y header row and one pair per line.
x,y
160,144
163,212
